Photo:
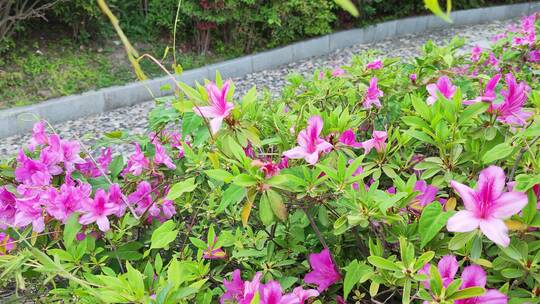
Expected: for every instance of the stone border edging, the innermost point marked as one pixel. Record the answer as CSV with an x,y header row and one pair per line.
x,y
103,100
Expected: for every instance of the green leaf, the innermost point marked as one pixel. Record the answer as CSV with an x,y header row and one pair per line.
x,y
116,165
181,187
244,180
383,263
135,280
233,194
355,271
220,175
265,211
432,220
512,273
472,111
276,203
433,6
459,240
467,293
348,6
500,151
71,229
163,236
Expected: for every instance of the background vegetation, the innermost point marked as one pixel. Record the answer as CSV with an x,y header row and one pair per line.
x,y
69,47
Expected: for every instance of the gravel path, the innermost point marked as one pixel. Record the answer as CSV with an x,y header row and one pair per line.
x,y
134,119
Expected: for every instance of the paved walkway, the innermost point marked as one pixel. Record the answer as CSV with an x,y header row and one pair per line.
x,y
134,119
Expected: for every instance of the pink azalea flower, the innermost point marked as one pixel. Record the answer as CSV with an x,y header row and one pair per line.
x,y
324,272
310,144
117,197
161,157
348,138
300,295
534,56
358,171
66,151
270,169
443,86
413,77
7,208
39,136
89,168
7,244
510,111
372,95
378,141
492,60
97,211
375,65
137,162
489,92
30,211
212,253
69,199
473,276
338,72
142,197
168,210
218,109
447,266
234,289
487,206
31,172
427,193
476,52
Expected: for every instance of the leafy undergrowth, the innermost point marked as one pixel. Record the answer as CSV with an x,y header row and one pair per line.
x,y
378,182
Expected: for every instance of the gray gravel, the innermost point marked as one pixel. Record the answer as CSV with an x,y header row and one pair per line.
x,y
134,119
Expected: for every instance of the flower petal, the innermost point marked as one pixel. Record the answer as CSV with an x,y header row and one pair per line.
x,y
467,195
462,221
491,183
473,276
215,124
492,296
207,112
495,230
508,204
448,267
295,153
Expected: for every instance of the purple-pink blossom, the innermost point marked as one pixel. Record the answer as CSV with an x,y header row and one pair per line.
x,y
475,276
137,162
427,193
324,273
447,267
7,244
510,111
310,144
219,108
348,138
375,65
476,52
98,210
338,72
377,141
373,93
161,157
487,206
443,86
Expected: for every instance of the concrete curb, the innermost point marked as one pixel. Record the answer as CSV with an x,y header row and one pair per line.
x,y
95,102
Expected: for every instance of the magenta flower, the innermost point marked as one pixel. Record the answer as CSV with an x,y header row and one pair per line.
x,y
234,289
117,197
427,193
39,136
348,138
142,197
377,141
300,295
487,206
161,157
324,272
212,253
443,86
413,77
7,208
69,199
474,275
65,151
338,72
30,211
492,60
31,172
476,52
489,92
510,111
372,95
447,266
310,144
375,65
218,109
97,211
137,162
534,56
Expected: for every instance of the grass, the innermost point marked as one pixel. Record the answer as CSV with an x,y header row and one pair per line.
x,y
45,66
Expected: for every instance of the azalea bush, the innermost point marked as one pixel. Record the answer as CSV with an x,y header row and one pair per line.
x,y
379,182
